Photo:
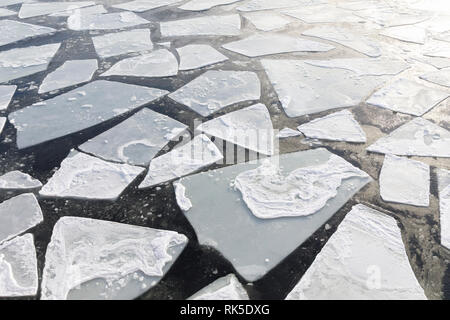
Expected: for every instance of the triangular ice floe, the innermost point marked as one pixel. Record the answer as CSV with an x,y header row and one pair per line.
x,y
144,5
16,180
288,132
106,21
6,94
406,33
28,10
13,31
114,44
200,5
267,21
440,77
225,288
228,25
198,55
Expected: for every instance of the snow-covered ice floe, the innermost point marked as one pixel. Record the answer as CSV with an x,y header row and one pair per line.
x,y
144,5
13,31
288,133
28,10
406,33
114,44
440,77
257,5
267,21
323,14
107,21
195,56
6,94
437,49
225,288
228,25
364,259
393,16
95,259
16,180
6,13
444,205
80,11
200,5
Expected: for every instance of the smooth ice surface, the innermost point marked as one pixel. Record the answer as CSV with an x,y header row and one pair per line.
x,y
200,5
405,181
69,74
95,259
338,126
159,63
78,109
6,13
419,137
13,31
2,123
267,21
215,90
116,20
81,11
144,5
198,55
28,10
440,77
438,49
266,44
288,132
114,44
257,245
228,25
5,3
250,128
21,62
6,94
195,155
364,259
444,205
19,214
18,267
225,288
256,5
406,33
390,17
136,140
16,180
322,14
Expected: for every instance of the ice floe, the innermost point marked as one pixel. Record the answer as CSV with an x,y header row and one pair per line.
x,y
198,55
357,263
323,14
144,5
195,155
440,77
6,3
437,49
180,194
95,259
288,132
114,44
116,20
228,25
16,180
391,17
215,90
136,140
6,94
200,5
28,10
406,33
2,123
444,205
225,288
6,13
81,11
78,109
267,21
257,5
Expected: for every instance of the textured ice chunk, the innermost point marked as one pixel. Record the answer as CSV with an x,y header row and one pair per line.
x,y
144,5
136,140
200,5
228,25
419,137
267,21
116,20
6,13
225,288
215,90
81,11
78,109
2,123
440,77
180,193
438,49
19,214
16,180
322,14
444,205
69,74
189,158
357,262
288,132
94,259
406,33
250,128
198,55
114,44
257,5
18,267
6,94
29,10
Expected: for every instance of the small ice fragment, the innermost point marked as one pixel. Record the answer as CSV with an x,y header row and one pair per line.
x,y
440,77
6,94
114,44
228,25
267,21
144,5
201,5
13,31
288,132
116,20
198,55
180,193
444,205
16,180
225,288
2,123
28,10
406,33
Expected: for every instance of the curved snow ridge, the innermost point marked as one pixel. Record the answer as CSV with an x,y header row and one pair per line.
x,y
225,288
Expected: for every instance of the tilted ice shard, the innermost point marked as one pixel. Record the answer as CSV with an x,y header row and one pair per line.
x,y
114,44
18,267
116,20
198,55
215,90
16,180
200,5
6,13
225,288
19,214
419,137
159,63
257,245
288,132
444,205
267,21
364,259
78,109
405,181
250,128
13,31
95,259
29,10
256,5
2,123
186,159
21,62
407,96
136,140
69,74
440,77
6,94
81,11
180,194
323,14
228,25
406,33
144,5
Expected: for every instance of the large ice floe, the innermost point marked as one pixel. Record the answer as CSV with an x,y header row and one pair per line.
x,y
412,34
107,21
225,288
136,140
444,205
18,267
6,94
144,5
267,21
95,259
364,259
440,77
258,245
200,5
78,109
228,25
114,44
215,90
82,176
28,10
17,180
198,55
13,31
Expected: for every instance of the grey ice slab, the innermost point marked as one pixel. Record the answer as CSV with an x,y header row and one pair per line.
x,y
19,214
69,74
107,21
215,90
257,245
406,33
267,44
95,259
82,176
444,205
6,13
21,62
136,140
81,11
6,94
440,77
357,263
16,180
200,5
78,109
419,137
257,5
144,5
227,25
198,55
323,14
114,44
18,267
29,10
2,123
225,288
267,21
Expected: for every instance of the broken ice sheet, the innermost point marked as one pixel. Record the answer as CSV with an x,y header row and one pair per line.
x,y
257,245
323,14
198,55
28,10
79,109
6,13
200,5
2,123
6,94
440,77
197,154
225,288
95,259
267,21
19,214
114,44
338,126
250,128
116,20
18,267
419,137
136,140
16,180
267,44
357,263
391,17
227,25
215,90
144,5
406,33
81,11
159,63
69,74
82,176
437,49
288,132
444,205
257,5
